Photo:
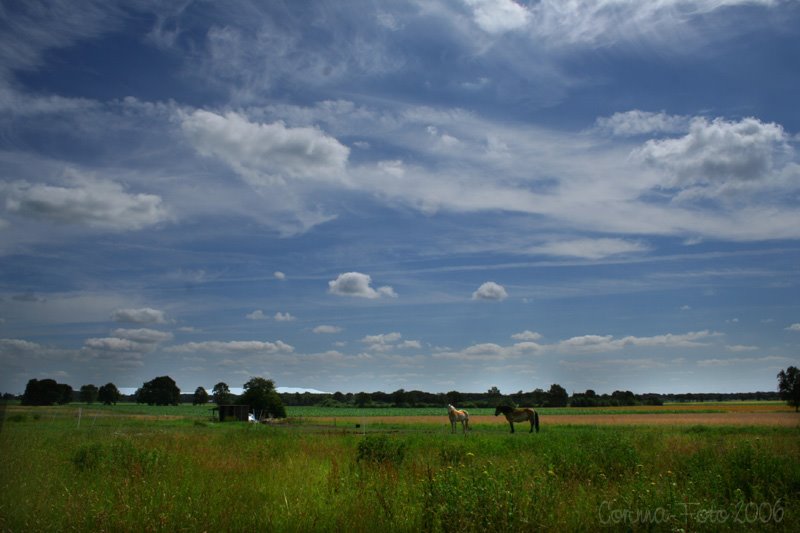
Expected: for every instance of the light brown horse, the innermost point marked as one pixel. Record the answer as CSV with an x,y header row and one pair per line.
x,y
457,416
521,414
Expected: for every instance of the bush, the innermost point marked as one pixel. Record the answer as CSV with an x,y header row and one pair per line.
x,y
88,456
380,449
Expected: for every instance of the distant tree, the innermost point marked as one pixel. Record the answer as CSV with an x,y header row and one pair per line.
x,y
623,397
46,392
454,398
88,393
261,396
399,398
221,394
557,396
64,394
159,391
362,399
108,394
789,386
200,396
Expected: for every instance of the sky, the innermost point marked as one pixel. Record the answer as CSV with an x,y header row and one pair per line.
x,y
422,194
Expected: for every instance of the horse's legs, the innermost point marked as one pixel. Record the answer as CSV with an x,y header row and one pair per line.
x,y
510,423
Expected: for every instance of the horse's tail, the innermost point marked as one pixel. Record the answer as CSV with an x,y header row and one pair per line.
x,y
536,421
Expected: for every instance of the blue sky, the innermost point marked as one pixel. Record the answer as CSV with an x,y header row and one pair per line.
x,y
348,196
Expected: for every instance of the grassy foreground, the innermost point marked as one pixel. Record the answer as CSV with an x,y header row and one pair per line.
x,y
184,474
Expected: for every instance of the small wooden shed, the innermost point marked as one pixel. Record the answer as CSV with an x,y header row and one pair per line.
x,y
232,412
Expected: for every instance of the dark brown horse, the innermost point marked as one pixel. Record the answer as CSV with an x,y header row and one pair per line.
x,y
521,414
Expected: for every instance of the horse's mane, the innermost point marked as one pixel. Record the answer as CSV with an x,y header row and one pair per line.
x,y
505,409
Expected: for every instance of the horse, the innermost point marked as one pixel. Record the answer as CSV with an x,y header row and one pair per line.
x,y
521,414
457,416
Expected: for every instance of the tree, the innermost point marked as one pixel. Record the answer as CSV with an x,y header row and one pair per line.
x,y
789,386
159,391
108,394
42,392
261,396
454,398
221,394
200,396
64,394
557,396
88,393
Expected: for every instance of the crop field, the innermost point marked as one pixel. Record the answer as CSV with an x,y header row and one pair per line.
x,y
139,468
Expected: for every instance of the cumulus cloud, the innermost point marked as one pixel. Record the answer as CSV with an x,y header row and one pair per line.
x,y
718,152
96,203
527,335
498,16
144,315
143,335
266,153
113,344
323,329
279,275
284,317
794,327
606,343
233,347
358,285
15,351
590,248
490,291
387,341
258,314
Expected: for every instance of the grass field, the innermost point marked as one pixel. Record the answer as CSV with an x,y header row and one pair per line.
x,y
134,468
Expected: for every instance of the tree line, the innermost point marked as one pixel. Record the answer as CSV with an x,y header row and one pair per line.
x,y
261,395
555,396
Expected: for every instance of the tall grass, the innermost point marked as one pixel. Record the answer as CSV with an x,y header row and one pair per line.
x,y
194,475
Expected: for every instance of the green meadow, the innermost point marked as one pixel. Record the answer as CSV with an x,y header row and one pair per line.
x,y
110,470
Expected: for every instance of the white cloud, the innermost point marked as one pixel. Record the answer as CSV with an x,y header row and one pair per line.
x,y
770,360
490,291
258,314
96,203
636,122
385,342
113,344
590,248
143,335
595,23
20,354
718,152
266,153
279,275
498,16
741,348
144,315
358,285
794,327
233,347
325,329
382,338
284,317
527,335
606,343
